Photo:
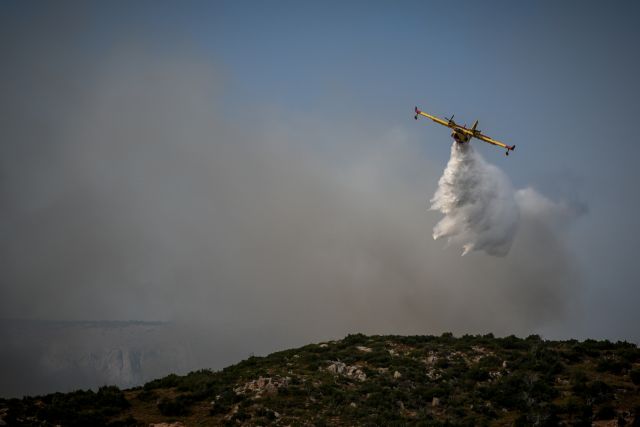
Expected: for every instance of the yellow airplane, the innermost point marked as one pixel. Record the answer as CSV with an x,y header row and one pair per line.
x,y
462,134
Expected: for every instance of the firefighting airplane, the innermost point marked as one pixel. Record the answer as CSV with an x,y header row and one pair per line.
x,y
462,134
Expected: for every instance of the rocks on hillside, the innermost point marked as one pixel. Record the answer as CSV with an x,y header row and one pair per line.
x,y
175,424
262,386
431,358
341,368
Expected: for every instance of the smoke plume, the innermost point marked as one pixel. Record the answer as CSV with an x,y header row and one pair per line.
x,y
478,203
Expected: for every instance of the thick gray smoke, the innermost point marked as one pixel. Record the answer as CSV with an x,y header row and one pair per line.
x,y
136,199
478,203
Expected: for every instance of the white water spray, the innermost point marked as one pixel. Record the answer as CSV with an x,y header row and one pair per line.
x,y
478,203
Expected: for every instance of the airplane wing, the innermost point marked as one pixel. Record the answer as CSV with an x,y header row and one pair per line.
x,y
429,116
492,141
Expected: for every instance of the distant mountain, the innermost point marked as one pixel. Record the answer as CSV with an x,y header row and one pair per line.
x,y
376,381
46,356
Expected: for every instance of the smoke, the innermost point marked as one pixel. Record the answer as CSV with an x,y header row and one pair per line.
x,y
139,197
132,189
478,203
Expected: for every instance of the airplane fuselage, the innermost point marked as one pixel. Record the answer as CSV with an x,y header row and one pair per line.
x,y
460,137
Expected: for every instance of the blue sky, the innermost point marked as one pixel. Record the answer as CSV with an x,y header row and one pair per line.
x,y
556,79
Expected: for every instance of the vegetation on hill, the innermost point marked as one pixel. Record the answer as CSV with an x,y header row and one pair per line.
x,y
376,381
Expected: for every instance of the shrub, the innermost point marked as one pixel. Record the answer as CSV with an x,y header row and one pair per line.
x,y
241,415
173,407
607,412
225,402
597,391
614,366
355,339
167,382
513,343
111,399
127,422
147,396
81,408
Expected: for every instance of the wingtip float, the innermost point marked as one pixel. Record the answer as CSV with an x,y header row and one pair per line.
x,y
463,134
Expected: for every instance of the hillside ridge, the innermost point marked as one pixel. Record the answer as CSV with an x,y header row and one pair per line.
x,y
375,380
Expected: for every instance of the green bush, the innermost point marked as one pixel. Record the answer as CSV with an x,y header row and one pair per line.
x,y
596,391
513,343
167,382
173,407
127,422
225,402
82,408
147,396
607,412
111,399
355,340
614,366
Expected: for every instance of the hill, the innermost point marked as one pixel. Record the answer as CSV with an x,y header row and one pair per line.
x,y
377,380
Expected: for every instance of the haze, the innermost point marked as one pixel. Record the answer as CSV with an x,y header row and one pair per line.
x,y
252,171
